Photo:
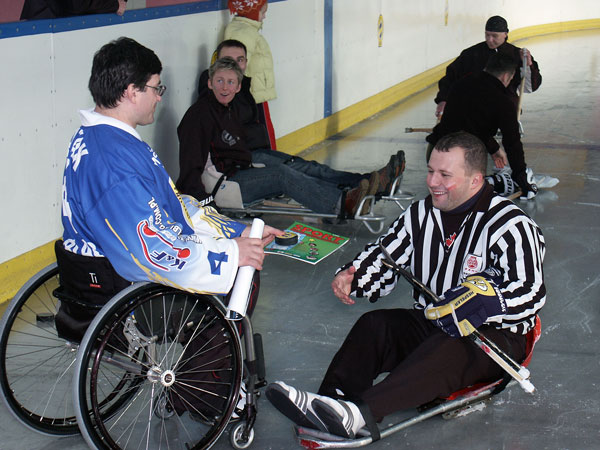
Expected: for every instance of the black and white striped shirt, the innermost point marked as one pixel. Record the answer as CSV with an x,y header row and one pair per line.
x,y
495,233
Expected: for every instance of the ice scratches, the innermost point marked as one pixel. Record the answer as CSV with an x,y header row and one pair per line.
x,y
597,205
586,176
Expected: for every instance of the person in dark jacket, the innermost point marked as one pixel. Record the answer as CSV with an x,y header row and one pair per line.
x,y
244,105
474,59
480,104
212,138
50,9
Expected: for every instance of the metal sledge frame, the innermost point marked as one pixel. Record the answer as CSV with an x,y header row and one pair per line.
x,y
374,222
314,439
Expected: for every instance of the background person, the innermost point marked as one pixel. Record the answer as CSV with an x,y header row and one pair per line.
x,y
245,27
474,59
480,104
212,138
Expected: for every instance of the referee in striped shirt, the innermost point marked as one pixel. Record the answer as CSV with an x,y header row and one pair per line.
x,y
479,252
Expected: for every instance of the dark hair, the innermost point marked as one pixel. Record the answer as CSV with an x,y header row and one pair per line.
x,y
475,151
231,43
225,63
500,63
117,65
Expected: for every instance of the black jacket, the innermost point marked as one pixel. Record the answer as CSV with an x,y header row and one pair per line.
x,y
474,59
208,127
480,104
246,110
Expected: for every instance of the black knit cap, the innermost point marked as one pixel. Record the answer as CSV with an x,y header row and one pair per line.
x,y
496,24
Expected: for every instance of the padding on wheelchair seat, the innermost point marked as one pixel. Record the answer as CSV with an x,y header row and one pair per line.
x,y
228,195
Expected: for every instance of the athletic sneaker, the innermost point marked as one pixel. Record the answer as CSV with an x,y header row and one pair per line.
x,y
295,405
545,181
341,417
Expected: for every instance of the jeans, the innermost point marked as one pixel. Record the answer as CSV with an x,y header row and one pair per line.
x,y
313,185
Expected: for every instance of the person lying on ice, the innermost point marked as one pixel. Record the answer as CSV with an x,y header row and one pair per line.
x,y
212,136
476,250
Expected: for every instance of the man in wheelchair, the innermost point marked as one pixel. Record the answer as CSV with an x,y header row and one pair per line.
x,y
215,139
123,219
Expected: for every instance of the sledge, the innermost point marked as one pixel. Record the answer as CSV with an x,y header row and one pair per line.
x,y
228,197
462,402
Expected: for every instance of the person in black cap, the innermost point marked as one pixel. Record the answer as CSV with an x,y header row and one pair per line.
x,y
474,59
479,104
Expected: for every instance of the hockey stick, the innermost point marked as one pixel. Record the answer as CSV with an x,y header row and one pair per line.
x,y
514,369
417,130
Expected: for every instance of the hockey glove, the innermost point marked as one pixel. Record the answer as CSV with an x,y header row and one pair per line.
x,y
468,305
525,182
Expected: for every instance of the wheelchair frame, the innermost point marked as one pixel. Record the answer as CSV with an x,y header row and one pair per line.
x,y
132,359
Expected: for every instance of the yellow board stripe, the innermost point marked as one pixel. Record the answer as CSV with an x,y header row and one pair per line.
x,y
299,140
15,272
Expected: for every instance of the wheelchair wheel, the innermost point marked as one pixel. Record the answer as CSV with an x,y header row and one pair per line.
x,y
181,362
36,366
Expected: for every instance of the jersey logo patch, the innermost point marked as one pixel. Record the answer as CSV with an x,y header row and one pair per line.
x,y
215,260
473,264
166,257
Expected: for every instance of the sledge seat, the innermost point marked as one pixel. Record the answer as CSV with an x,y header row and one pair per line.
x,y
533,336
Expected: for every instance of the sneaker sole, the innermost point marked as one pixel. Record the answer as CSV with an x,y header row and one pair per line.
x,y
331,419
278,397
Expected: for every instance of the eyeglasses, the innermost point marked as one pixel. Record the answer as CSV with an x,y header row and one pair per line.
x,y
160,89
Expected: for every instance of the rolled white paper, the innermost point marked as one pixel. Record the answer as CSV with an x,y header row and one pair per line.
x,y
238,304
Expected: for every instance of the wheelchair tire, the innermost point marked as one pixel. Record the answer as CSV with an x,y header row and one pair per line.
x,y
36,366
182,361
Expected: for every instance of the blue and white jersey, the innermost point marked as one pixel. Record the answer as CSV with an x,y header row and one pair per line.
x,y
119,202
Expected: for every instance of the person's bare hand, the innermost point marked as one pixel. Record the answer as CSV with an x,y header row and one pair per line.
x,y
341,285
251,252
122,7
500,159
529,60
268,235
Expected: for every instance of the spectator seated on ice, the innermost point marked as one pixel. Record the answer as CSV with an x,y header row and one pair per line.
x,y
214,150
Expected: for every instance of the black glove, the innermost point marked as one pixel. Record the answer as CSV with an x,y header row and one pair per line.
x,y
525,181
468,305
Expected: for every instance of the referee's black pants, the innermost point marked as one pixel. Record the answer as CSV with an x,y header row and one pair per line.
x,y
423,363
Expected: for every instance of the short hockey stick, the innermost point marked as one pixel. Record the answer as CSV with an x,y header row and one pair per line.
x,y
514,369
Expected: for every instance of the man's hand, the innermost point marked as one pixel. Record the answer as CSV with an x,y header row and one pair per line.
x,y
439,110
341,285
469,305
528,56
251,252
500,159
268,235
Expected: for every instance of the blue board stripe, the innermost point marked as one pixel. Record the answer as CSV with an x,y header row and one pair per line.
x,y
29,27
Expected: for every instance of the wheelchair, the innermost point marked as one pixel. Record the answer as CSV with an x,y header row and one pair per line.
x,y
157,368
